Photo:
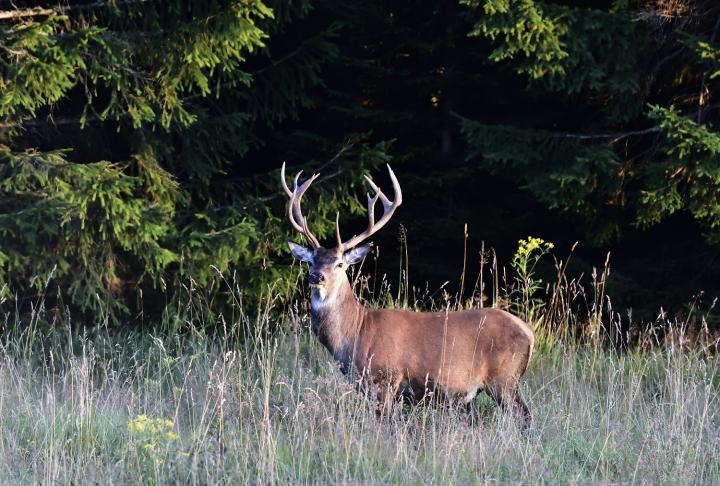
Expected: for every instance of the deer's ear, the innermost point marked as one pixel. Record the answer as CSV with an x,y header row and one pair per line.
x,y
300,252
356,254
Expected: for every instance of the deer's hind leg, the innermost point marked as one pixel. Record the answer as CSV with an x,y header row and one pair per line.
x,y
465,402
507,395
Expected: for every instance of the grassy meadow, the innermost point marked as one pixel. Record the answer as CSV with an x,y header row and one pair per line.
x,y
154,327
258,400
109,408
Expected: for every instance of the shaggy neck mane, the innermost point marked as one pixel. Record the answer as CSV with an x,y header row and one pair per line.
x,y
336,319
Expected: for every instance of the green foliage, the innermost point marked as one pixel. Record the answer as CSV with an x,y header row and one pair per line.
x,y
524,261
141,140
525,31
39,67
526,258
687,177
707,54
151,443
146,81
160,109
562,172
583,173
81,219
603,57
562,48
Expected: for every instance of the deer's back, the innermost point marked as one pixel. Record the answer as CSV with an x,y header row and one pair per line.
x,y
456,350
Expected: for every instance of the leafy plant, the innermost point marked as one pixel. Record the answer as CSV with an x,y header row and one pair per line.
x,y
151,443
524,261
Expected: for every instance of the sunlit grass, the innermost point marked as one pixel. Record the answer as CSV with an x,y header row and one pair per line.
x,y
127,408
258,400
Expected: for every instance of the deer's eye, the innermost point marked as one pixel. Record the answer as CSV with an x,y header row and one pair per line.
x,y
339,265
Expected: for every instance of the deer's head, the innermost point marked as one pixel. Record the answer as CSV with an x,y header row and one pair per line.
x,y
328,265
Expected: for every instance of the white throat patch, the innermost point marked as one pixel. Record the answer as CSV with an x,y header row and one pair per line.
x,y
320,298
320,292
328,314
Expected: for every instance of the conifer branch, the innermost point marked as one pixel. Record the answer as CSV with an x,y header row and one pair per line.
x,y
44,12
704,92
615,137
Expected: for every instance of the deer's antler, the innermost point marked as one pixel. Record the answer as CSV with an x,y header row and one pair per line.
x,y
389,208
297,220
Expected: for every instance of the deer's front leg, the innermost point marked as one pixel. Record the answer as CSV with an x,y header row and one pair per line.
x,y
387,388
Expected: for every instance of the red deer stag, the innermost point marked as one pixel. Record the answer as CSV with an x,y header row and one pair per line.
x,y
407,354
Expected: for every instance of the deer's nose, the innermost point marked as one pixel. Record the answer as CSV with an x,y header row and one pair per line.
x,y
316,278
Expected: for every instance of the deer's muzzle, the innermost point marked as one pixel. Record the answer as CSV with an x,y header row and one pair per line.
x,y
316,278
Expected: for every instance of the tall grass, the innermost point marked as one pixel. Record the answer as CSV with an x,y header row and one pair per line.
x,y
262,402
127,408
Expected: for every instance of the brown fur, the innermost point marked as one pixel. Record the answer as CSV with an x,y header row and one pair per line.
x,y
409,354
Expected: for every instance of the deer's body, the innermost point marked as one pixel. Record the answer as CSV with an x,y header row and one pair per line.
x,y
408,354
413,353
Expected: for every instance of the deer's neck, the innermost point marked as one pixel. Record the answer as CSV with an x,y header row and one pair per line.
x,y
336,319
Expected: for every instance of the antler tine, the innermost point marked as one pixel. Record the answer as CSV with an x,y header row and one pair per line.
x,y
300,193
389,208
378,193
396,187
297,220
297,216
337,230
371,207
283,182
292,212
293,216
311,238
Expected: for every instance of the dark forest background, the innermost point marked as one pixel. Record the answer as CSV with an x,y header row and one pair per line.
x,y
141,141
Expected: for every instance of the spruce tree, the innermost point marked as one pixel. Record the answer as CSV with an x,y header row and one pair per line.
x,y
141,140
639,154
125,127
